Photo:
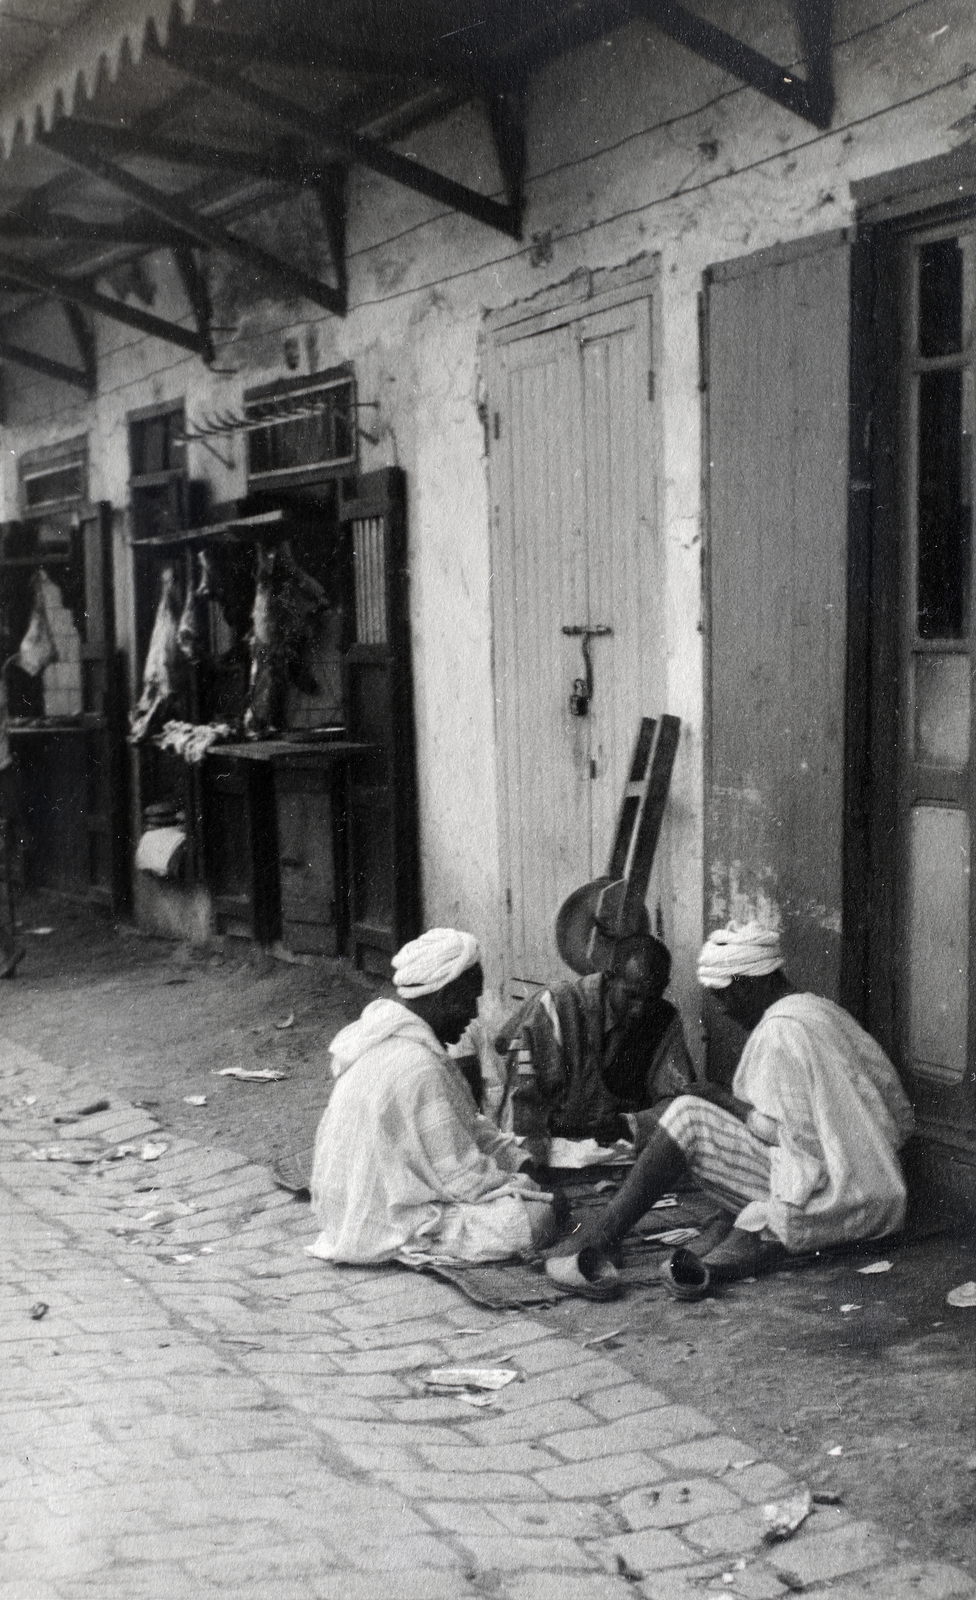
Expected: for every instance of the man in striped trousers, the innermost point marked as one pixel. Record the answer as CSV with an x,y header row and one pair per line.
x,y
802,1152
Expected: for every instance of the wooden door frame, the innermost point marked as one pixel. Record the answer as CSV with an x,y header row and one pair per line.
x,y
581,296
578,296
876,711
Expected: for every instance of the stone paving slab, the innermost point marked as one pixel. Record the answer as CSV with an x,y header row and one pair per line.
x,y
206,1410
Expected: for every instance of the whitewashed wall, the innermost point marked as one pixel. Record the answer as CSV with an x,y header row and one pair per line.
x,y
633,146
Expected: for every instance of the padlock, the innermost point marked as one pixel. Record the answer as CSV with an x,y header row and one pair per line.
x,y
579,699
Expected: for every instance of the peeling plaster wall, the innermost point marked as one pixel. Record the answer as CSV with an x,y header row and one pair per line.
x,y
634,145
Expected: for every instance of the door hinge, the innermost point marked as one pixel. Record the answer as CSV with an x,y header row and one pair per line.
x,y
497,425
702,344
508,900
650,383
592,767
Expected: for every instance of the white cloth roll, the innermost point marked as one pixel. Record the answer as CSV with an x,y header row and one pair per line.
x,y
160,851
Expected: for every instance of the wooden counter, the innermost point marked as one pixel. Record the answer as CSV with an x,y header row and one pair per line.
x,y
317,752
275,839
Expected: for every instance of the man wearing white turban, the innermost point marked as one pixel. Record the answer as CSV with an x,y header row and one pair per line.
x,y
405,1167
802,1152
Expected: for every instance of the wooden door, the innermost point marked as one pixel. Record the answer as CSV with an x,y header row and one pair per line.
x,y
624,570
574,546
777,373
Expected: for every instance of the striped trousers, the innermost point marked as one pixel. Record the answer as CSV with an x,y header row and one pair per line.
x,y
725,1159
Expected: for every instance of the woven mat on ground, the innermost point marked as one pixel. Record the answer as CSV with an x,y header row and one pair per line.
x,y
513,1284
510,1285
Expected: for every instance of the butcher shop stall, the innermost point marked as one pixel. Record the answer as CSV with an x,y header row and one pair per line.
x,y
62,683
273,736
250,772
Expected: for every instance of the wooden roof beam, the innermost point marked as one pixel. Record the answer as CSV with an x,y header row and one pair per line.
x,y
506,118
814,21
567,30
297,49
332,203
812,99
197,292
48,367
68,141
143,233
280,166
24,275
84,338
343,143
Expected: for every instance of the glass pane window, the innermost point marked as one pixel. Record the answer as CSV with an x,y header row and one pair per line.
x,y
942,710
938,941
51,488
297,429
943,506
156,444
940,298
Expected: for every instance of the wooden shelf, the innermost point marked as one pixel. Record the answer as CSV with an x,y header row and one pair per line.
x,y
239,530
317,754
9,563
51,729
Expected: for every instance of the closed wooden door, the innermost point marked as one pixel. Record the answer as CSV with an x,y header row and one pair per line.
x,y
575,547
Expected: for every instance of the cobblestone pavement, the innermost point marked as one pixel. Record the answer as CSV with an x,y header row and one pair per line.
x,y
204,1409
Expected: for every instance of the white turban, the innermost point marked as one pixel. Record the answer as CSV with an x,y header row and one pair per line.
x,y
433,961
749,951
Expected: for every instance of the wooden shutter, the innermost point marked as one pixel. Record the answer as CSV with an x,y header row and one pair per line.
x,y
777,332
105,804
382,804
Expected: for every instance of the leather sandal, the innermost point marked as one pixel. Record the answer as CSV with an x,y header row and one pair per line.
x,y
685,1276
743,1255
589,1273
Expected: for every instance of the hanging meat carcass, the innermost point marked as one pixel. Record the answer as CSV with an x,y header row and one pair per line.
x,y
265,690
286,600
37,648
303,599
194,625
162,659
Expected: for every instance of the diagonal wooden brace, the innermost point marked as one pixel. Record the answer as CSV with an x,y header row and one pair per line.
x,y
69,142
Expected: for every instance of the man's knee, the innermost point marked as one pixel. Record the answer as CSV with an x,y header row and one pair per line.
x,y
691,1121
682,1115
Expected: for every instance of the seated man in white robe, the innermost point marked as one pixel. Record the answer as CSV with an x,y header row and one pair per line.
x,y
405,1167
802,1152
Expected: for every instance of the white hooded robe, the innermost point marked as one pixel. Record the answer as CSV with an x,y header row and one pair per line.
x,y
405,1167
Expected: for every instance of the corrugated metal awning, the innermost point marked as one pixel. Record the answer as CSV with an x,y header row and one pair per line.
x,y
53,60
128,126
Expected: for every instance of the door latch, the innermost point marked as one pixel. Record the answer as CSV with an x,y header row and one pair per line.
x,y
582,691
